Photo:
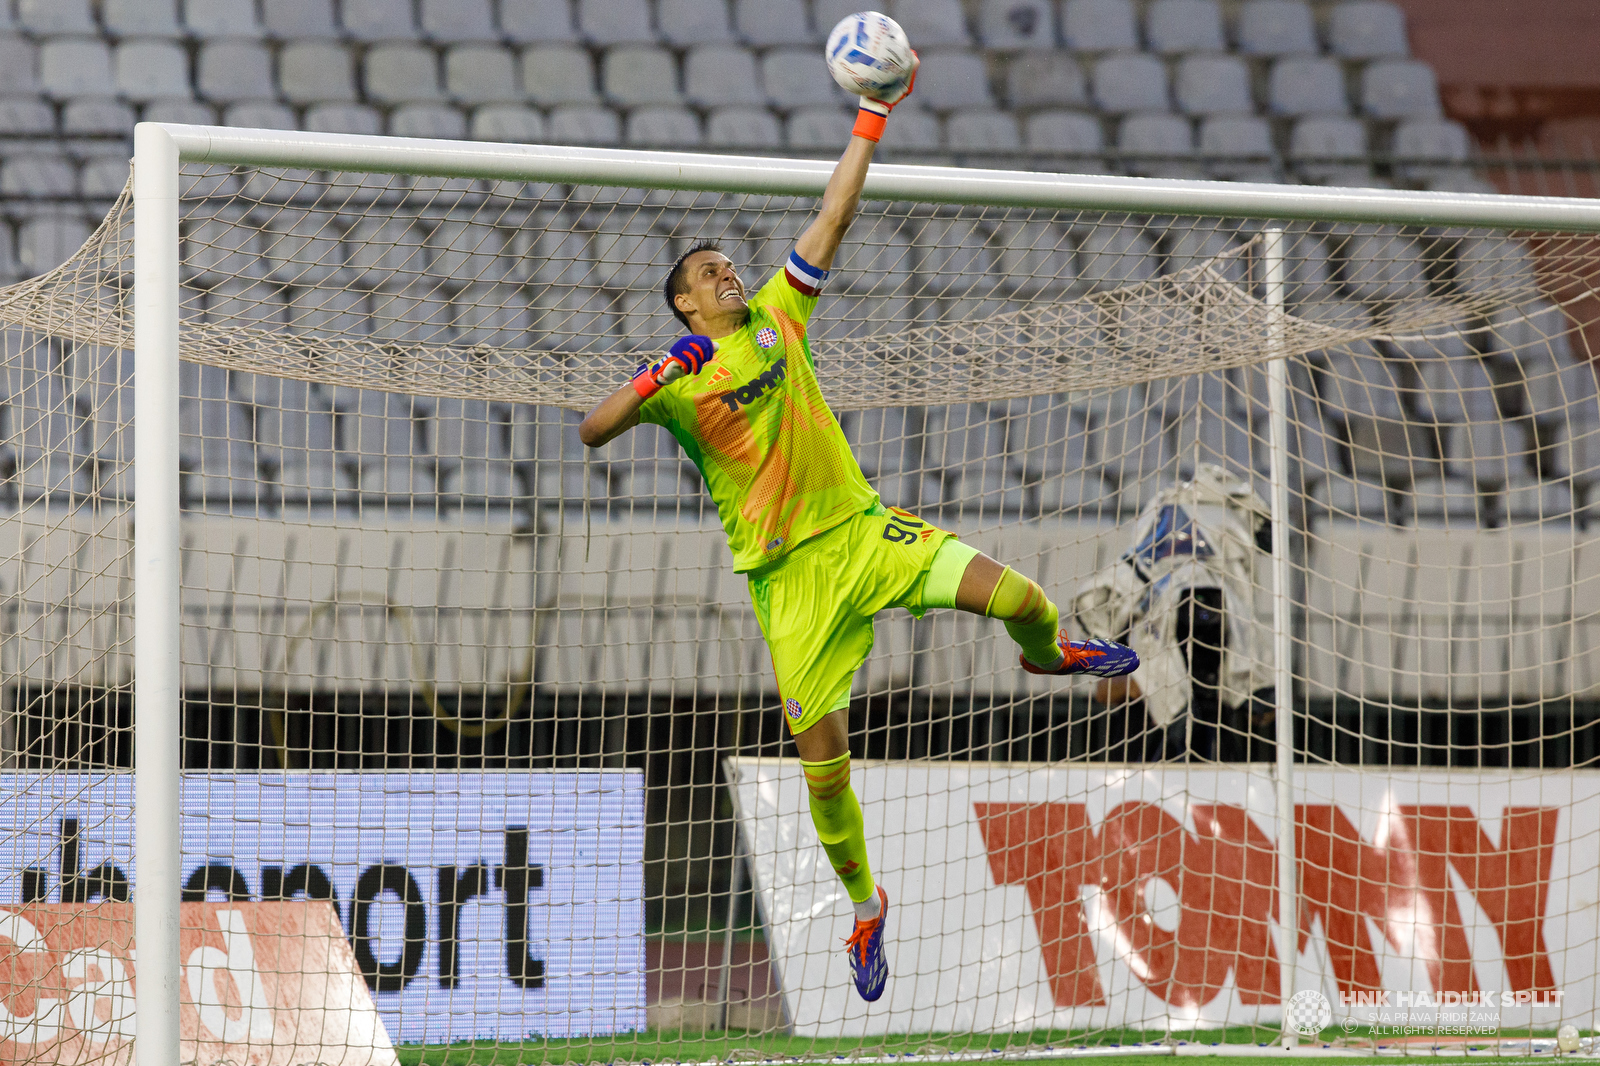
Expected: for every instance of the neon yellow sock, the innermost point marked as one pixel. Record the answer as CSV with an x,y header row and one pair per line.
x,y
1029,617
839,824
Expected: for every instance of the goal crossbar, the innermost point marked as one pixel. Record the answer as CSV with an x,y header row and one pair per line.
x,y
929,184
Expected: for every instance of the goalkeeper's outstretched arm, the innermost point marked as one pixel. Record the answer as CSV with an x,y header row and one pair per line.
x,y
820,241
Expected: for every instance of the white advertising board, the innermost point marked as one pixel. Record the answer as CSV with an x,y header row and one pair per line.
x,y
1028,897
478,904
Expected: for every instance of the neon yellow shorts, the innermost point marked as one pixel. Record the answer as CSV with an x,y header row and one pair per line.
x,y
816,604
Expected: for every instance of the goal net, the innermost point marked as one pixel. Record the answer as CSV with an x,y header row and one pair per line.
x,y
481,742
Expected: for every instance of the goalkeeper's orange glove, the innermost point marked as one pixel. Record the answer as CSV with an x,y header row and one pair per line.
x,y
874,114
689,355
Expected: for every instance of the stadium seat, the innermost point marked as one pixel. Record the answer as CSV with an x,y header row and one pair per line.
x,y
262,115
1331,150
52,18
1067,132
1099,25
481,74
1276,28
931,23
743,127
1238,148
190,112
1173,27
913,131
75,66
302,247
1357,381
771,23
1357,498
663,127
226,71
19,66
829,13
584,125
45,240
1399,88
313,71
1213,85
556,74
537,21
26,116
41,175
1111,256
1456,387
982,130
1445,499
1367,29
1427,147
210,19
638,75
1133,81
1490,264
141,18
509,123
1380,264
1482,452
612,22
150,69
792,79
402,73
817,127
428,120
378,20
96,117
1046,79
297,20
721,75
1530,327
294,432
342,118
1157,145
1012,24
474,450
457,21
688,23
948,80
1302,85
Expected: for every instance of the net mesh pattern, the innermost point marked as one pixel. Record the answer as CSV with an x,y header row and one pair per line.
x,y
424,629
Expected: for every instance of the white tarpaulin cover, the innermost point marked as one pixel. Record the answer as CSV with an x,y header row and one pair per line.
x,y
1063,897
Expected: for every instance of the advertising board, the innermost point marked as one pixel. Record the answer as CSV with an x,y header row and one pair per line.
x,y
477,904
1031,897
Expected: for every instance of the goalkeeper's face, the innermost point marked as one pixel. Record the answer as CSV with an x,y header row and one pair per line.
x,y
715,292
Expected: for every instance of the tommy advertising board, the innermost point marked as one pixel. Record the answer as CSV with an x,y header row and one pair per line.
x,y
1068,897
474,905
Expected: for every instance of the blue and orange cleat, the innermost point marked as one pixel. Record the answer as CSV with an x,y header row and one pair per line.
x,y
869,963
1102,658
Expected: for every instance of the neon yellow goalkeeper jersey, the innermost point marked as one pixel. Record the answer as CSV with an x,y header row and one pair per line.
x,y
754,422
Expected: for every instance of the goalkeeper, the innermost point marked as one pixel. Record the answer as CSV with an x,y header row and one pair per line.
x,y
821,552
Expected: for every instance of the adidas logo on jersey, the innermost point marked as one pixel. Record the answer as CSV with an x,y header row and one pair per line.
x,y
720,375
758,388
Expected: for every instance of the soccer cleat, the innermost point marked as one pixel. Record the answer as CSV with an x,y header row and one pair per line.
x,y
869,963
1103,658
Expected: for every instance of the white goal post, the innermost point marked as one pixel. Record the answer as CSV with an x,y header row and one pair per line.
x,y
160,149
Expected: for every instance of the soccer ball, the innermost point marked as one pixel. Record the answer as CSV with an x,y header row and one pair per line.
x,y
868,55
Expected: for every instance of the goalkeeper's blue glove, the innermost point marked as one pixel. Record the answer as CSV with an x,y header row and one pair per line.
x,y
689,355
874,114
